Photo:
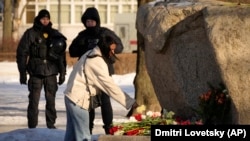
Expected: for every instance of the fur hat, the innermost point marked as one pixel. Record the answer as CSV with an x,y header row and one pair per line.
x,y
91,13
43,13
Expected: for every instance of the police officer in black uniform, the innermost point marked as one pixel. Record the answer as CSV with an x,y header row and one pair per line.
x,y
86,40
41,54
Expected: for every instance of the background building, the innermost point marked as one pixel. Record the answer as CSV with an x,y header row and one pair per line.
x,y
66,16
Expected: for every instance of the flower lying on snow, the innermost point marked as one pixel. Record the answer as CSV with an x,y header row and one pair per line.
x,y
140,124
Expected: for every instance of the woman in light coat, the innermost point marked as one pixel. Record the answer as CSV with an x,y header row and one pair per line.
x,y
77,93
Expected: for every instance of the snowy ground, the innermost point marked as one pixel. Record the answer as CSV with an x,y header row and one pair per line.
x,y
14,100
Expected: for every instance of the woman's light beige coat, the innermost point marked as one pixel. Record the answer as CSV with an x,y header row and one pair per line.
x,y
98,80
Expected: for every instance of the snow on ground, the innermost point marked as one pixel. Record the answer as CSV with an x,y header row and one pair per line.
x,y
14,101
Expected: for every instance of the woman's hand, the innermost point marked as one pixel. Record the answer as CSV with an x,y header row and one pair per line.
x,y
134,106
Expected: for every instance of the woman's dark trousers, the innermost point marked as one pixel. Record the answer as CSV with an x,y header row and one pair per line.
x,y
106,111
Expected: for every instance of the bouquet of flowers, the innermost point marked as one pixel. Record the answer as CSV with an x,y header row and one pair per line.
x,y
214,105
140,124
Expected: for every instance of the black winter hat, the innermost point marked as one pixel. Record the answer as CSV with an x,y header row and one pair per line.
x,y
91,13
43,13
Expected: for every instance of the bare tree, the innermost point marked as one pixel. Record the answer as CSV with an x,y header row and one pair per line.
x,y
11,24
16,20
7,39
144,91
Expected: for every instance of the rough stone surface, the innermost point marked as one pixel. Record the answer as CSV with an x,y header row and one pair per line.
x,y
188,44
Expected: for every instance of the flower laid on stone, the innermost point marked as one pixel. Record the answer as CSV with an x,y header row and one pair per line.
x,y
140,124
214,105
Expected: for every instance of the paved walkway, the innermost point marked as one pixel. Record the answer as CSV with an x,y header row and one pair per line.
x,y
20,122
6,128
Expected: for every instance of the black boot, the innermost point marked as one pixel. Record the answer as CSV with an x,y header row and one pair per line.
x,y
90,130
91,120
51,126
106,129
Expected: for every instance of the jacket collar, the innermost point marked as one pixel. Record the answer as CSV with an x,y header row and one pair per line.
x,y
94,52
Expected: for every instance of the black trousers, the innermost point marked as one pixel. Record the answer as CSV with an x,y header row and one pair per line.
x,y
106,111
35,85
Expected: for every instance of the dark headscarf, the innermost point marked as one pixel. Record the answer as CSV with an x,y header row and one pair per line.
x,y
104,45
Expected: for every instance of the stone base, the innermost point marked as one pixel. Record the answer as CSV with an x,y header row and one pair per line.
x,y
123,138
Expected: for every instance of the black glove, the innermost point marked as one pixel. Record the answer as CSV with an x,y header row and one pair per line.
x,y
61,79
23,78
